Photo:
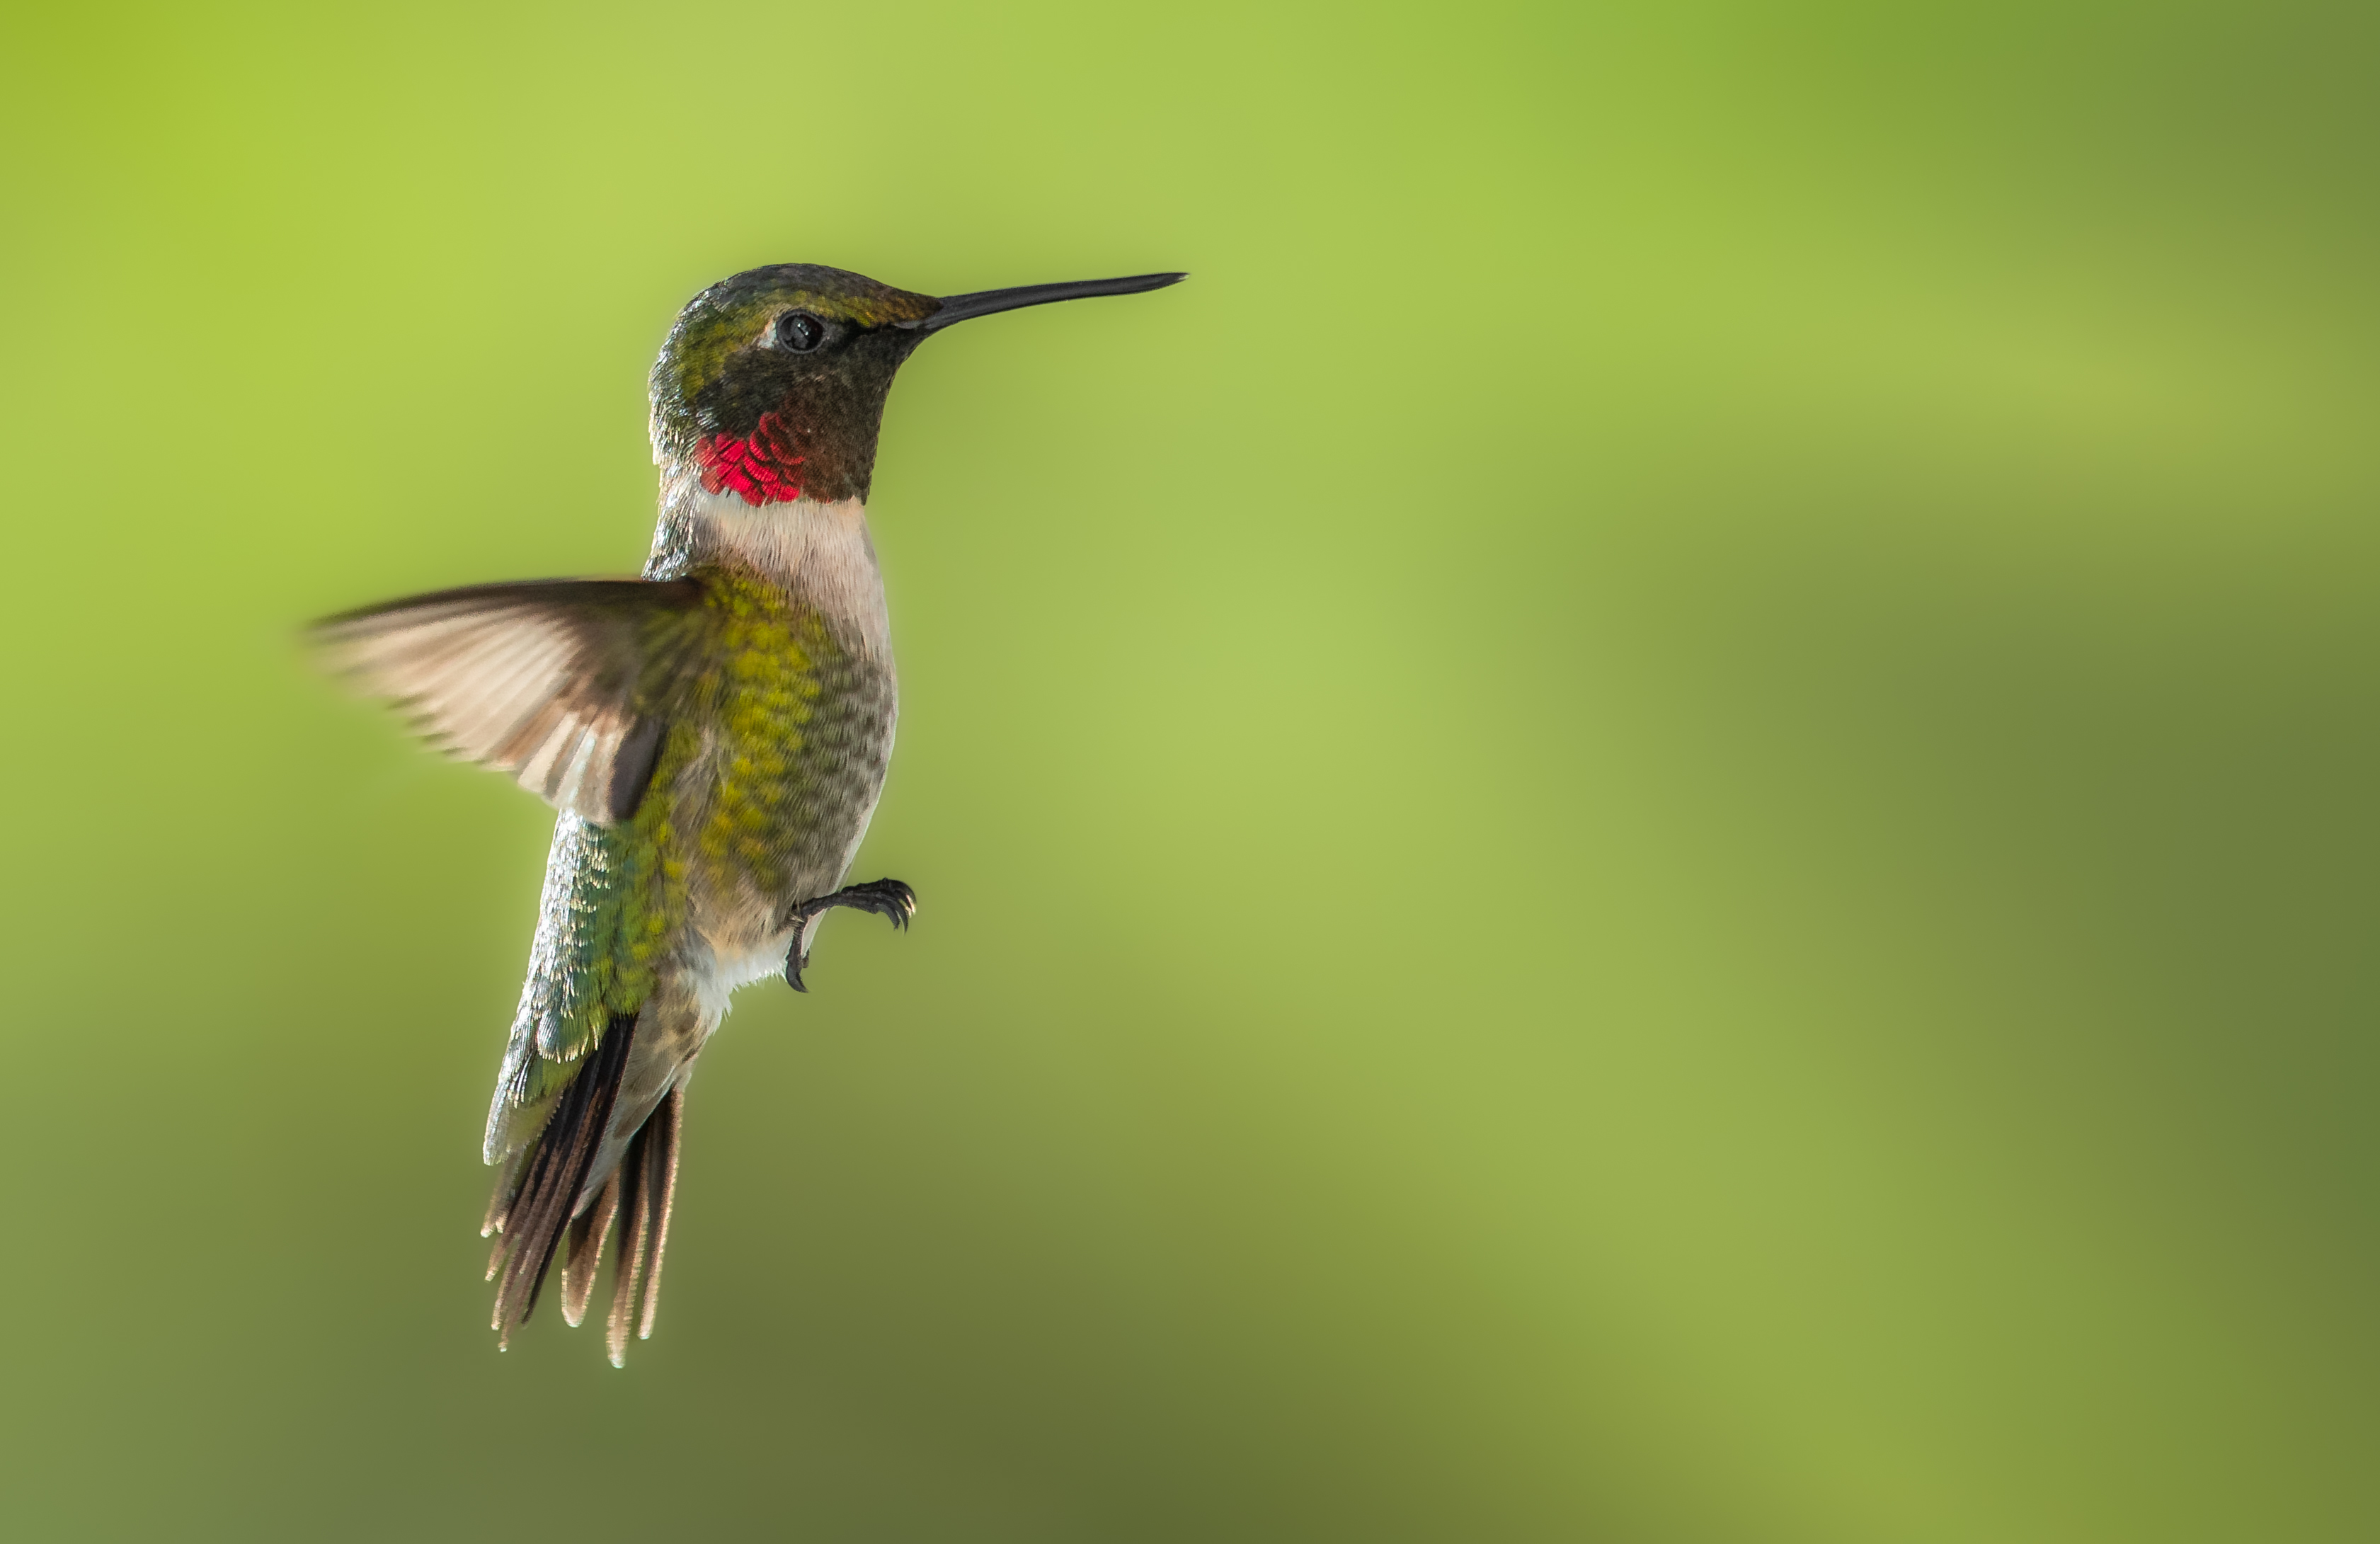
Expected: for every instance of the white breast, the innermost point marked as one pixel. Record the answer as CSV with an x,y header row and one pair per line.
x,y
820,552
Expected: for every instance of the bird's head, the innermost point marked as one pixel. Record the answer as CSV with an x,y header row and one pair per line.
x,y
772,384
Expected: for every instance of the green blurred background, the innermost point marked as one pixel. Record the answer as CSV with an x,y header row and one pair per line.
x,y
1657,824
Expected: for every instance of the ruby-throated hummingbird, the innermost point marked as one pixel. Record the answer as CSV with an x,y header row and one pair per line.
x,y
714,734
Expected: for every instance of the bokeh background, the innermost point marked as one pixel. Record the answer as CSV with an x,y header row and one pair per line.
x,y
1657,824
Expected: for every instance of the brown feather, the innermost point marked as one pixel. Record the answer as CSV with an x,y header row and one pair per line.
x,y
550,680
634,1228
585,1256
649,1170
555,1174
662,1178
499,1200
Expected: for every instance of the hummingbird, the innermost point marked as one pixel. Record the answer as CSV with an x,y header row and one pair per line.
x,y
713,734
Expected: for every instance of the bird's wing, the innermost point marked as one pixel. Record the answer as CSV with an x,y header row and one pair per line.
x,y
554,681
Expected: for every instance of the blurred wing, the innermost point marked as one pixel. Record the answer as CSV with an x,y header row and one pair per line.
x,y
558,682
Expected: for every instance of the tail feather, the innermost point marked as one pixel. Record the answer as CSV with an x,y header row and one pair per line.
x,y
664,1185
650,1186
500,1201
627,1275
532,1221
584,1255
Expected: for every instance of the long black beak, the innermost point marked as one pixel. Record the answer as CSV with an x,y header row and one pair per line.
x,y
983,302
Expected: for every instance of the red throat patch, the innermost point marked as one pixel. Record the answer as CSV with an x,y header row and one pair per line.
x,y
759,468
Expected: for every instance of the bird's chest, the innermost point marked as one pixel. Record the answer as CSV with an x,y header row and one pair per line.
x,y
795,739
784,752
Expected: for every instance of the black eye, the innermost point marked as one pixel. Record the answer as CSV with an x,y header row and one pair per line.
x,y
800,332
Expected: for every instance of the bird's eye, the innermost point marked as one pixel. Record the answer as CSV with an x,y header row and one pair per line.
x,y
800,332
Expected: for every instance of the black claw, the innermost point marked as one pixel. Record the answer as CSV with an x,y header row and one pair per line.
x,y
889,899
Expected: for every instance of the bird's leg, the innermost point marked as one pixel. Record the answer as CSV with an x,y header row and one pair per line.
x,y
889,899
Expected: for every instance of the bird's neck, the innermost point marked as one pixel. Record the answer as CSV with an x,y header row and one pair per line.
x,y
818,552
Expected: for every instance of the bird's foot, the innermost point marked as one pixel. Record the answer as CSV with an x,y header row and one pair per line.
x,y
889,899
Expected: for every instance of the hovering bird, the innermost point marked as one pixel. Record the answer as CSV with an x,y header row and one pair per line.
x,y
714,734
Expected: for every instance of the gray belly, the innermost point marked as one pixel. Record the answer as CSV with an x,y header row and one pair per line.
x,y
773,820
846,747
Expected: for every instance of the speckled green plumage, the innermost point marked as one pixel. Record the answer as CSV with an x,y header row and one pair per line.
x,y
766,763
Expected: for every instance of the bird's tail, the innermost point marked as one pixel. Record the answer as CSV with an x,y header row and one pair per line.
x,y
539,1200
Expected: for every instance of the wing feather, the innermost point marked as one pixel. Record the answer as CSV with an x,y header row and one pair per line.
x,y
547,680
